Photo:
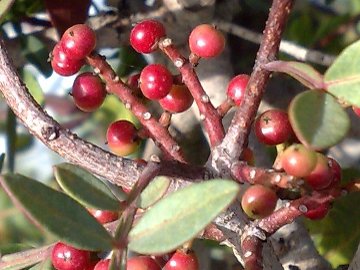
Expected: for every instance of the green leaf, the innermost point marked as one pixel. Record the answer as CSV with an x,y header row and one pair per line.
x,y
44,265
343,77
304,73
85,187
181,216
33,85
5,5
154,191
2,158
11,137
337,236
318,119
37,54
57,212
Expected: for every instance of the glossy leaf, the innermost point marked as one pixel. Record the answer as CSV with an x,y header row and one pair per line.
x,y
343,77
337,236
85,187
181,216
318,120
153,192
304,73
58,213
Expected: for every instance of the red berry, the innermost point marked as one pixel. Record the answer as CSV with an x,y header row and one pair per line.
x,y
63,64
142,263
122,138
356,110
336,172
298,161
258,201
155,81
145,36
273,127
182,260
65,257
102,265
78,41
206,41
248,156
178,100
321,176
236,88
104,216
319,212
88,92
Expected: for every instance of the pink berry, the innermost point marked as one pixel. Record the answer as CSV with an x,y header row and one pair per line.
x,y
178,100
88,92
356,110
258,201
122,138
321,176
273,127
236,88
63,64
104,216
182,260
65,257
102,265
206,41
145,36
142,263
298,161
78,41
155,81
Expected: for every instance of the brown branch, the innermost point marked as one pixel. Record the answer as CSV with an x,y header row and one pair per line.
x,y
235,140
157,132
244,173
209,115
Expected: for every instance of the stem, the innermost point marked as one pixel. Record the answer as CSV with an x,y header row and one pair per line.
x,y
115,86
209,115
235,140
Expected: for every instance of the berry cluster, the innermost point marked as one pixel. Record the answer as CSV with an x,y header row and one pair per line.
x,y
66,257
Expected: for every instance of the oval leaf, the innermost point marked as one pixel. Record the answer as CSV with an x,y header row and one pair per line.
x,y
343,77
154,191
85,187
181,216
57,212
318,119
5,5
304,73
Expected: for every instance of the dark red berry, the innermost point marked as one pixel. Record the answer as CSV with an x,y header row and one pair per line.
x,y
63,64
155,81
142,263
258,201
88,92
321,176
178,100
122,138
356,110
318,213
65,257
145,36
78,41
236,88
273,127
336,172
104,216
182,260
102,265
298,161
206,41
